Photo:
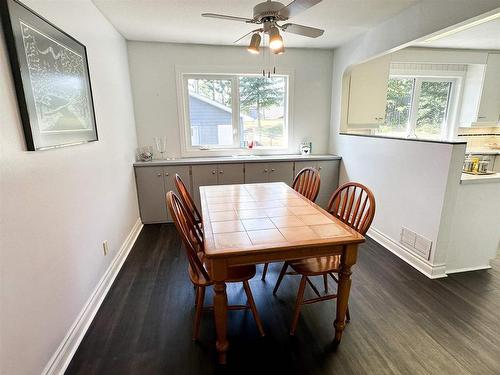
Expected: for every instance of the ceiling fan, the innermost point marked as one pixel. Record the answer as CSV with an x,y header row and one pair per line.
x,y
268,14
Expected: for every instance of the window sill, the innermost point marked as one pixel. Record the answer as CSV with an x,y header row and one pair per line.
x,y
236,152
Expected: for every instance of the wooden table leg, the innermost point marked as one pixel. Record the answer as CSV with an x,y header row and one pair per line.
x,y
348,259
219,272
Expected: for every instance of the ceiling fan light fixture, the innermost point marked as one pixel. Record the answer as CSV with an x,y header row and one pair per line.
x,y
254,44
280,51
275,39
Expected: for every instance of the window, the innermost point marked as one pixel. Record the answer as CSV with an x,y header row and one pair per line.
x,y
233,111
418,107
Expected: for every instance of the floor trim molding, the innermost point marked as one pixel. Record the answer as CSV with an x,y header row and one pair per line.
x,y
64,353
467,269
435,271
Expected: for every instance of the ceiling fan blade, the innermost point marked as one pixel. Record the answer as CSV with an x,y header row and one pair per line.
x,y
225,17
296,7
247,34
310,32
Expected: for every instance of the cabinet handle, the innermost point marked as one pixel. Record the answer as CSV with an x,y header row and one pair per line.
x,y
159,174
319,168
265,170
481,117
166,174
221,172
272,169
213,172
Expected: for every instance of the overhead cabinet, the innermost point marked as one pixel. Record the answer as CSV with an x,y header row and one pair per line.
x,y
481,93
368,92
153,182
489,106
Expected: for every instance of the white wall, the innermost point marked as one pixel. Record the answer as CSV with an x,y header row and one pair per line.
x,y
409,179
57,206
152,71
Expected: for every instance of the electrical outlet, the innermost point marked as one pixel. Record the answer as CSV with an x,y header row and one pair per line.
x,y
105,247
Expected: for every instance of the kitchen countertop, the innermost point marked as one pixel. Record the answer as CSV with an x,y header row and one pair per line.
x,y
478,179
236,159
483,152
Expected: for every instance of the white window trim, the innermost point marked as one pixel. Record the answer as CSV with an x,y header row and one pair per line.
x,y
454,100
218,72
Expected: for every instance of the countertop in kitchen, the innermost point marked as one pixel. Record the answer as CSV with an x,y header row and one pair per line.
x,y
236,159
479,179
483,152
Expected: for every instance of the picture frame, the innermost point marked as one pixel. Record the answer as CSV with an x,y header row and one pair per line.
x,y
51,78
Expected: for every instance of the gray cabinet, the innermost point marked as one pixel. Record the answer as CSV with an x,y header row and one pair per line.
x,y
215,174
152,185
329,171
281,172
229,174
153,182
269,172
203,175
169,173
151,191
256,172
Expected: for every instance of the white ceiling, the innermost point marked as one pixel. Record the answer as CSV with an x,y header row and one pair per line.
x,y
180,21
484,36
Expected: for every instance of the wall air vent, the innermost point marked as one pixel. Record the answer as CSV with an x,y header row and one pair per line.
x,y
415,243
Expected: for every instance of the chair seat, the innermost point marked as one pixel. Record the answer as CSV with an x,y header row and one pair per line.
x,y
235,274
316,266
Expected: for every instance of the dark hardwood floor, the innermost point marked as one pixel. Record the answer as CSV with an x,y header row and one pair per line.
x,y
402,322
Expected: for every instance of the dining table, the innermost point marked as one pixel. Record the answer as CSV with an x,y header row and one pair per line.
x,y
250,224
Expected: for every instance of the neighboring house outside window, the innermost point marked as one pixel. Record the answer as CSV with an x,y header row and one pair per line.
x,y
230,111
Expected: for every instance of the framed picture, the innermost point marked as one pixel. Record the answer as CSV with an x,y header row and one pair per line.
x,y
52,80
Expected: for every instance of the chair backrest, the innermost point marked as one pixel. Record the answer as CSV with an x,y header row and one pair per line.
x,y
186,198
354,204
187,230
307,183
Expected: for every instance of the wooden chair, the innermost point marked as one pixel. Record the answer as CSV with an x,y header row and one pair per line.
x,y
307,184
352,203
186,198
188,203
199,270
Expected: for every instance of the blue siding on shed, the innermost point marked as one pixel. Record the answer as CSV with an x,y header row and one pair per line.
x,y
207,116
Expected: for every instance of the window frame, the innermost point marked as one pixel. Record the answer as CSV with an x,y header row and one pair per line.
x,y
183,73
452,104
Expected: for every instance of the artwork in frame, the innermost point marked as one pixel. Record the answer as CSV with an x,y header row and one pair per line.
x,y
51,77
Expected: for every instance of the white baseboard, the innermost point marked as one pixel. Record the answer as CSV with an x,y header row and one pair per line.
x,y
432,271
467,269
64,353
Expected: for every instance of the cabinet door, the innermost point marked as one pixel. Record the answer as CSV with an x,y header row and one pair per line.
x,y
168,179
299,165
203,175
231,174
281,172
489,107
151,194
368,92
256,172
329,172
